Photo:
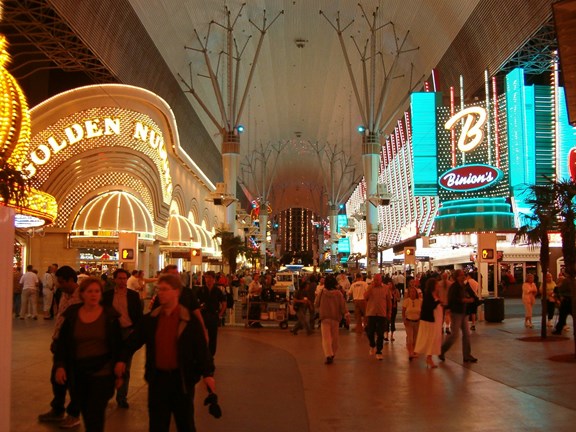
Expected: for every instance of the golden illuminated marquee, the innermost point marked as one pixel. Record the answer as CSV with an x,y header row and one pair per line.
x,y
98,128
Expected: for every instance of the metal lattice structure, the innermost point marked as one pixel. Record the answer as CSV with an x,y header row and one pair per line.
x,y
46,41
537,55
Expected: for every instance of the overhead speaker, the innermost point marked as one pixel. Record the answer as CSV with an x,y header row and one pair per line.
x,y
565,24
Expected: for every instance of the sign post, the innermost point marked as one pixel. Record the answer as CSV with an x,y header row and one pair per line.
x,y
487,254
128,250
196,256
410,255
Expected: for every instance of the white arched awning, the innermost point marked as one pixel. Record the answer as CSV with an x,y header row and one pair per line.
x,y
183,233
110,213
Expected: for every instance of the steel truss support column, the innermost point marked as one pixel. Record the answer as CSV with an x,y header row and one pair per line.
x,y
332,217
371,162
230,164
263,221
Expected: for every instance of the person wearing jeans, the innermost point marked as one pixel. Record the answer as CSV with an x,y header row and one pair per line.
x,y
67,417
457,300
127,303
378,311
301,305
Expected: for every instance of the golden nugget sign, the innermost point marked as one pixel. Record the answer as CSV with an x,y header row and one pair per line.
x,y
87,130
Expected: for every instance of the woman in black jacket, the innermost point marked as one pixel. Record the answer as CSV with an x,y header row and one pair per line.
x,y
86,351
429,339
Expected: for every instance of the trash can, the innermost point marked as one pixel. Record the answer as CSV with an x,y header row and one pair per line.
x,y
494,309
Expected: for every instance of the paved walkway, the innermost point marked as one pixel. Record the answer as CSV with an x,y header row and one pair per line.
x,y
269,380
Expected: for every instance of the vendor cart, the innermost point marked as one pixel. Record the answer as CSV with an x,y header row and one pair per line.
x,y
264,312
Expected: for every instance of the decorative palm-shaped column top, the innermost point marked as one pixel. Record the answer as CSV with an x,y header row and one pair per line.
x,y
378,71
230,103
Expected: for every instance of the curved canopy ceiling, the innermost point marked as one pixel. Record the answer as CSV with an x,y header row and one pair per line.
x,y
300,108
301,91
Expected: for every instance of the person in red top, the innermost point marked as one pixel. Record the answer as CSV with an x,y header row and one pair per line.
x,y
177,356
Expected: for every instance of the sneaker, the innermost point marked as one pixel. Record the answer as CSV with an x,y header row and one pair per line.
x,y
470,360
70,422
123,404
371,351
51,416
379,356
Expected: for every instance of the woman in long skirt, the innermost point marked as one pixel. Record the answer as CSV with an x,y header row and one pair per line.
x,y
429,339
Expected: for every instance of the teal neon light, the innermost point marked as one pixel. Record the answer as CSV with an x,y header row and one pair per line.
x,y
423,105
521,137
475,214
473,201
566,137
341,221
344,245
517,118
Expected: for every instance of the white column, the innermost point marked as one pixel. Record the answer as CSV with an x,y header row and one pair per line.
x,y
332,217
230,163
6,271
371,162
263,221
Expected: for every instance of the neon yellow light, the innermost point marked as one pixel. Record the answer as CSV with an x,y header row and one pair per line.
x,y
472,132
14,117
15,141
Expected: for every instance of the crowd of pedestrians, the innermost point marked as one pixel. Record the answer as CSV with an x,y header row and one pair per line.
x,y
101,321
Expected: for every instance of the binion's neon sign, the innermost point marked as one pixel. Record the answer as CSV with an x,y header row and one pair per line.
x,y
471,177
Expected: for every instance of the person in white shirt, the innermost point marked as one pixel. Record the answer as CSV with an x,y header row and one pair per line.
x,y
29,282
400,281
133,282
357,291
82,275
48,286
